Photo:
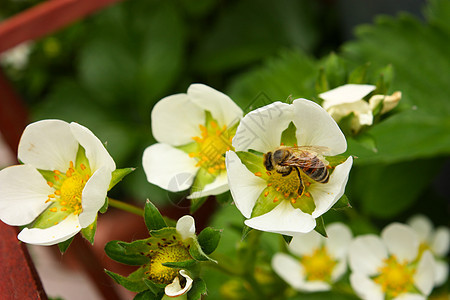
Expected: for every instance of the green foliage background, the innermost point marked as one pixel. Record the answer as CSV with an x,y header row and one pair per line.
x,y
107,71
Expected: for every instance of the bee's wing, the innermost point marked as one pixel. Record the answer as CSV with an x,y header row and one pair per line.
x,y
302,162
316,149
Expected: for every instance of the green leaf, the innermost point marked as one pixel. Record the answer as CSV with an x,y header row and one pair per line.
x,y
209,239
63,246
320,227
118,175
196,203
134,282
152,217
342,203
245,231
254,163
335,70
130,253
197,290
89,232
359,74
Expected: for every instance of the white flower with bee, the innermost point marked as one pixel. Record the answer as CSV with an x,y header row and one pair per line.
x,y
285,171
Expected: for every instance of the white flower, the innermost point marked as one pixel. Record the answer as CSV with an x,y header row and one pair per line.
x,y
436,240
389,266
347,99
270,200
194,130
61,185
321,261
186,228
389,102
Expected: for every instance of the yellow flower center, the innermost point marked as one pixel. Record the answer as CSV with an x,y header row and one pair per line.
x,y
212,144
173,253
68,189
319,265
395,278
287,186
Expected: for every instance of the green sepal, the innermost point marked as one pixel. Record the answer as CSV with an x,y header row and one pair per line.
x,y
254,163
133,282
89,232
197,290
367,141
152,217
118,174
63,246
49,176
288,136
195,250
335,70
287,238
342,203
156,289
196,203
358,75
305,204
336,160
245,231
148,295
209,239
384,81
104,208
265,204
133,253
82,159
320,227
256,152
322,82
185,265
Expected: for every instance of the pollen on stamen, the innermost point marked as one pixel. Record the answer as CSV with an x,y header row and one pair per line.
x,y
275,200
51,196
269,184
286,195
56,178
210,170
48,200
293,201
266,193
63,209
307,183
58,192
53,209
50,184
57,172
329,167
307,194
83,167
86,177
259,174
278,189
71,164
192,154
213,124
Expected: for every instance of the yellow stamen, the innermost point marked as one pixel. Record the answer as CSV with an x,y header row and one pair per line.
x,y
259,174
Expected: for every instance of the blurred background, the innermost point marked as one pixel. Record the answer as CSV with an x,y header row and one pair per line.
x,y
106,71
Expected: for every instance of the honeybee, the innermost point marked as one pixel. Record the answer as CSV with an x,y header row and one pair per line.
x,y
306,159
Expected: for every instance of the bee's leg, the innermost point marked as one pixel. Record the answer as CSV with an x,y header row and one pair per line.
x,y
287,172
301,187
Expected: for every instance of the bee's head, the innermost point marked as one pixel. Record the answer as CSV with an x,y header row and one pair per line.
x,y
268,161
279,156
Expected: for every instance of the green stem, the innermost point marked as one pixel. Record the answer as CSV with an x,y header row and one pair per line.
x,y
126,207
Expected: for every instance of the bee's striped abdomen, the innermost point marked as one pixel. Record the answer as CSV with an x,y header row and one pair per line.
x,y
316,170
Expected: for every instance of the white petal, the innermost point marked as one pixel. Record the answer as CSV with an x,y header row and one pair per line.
x,y
48,145
422,226
409,296
176,119
95,151
289,269
401,240
339,238
366,254
424,276
217,187
315,286
360,108
261,129
339,270
168,167
305,243
315,127
94,195
245,187
283,219
221,107
440,272
345,94
365,287
186,227
325,195
52,235
23,192
440,242
174,289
